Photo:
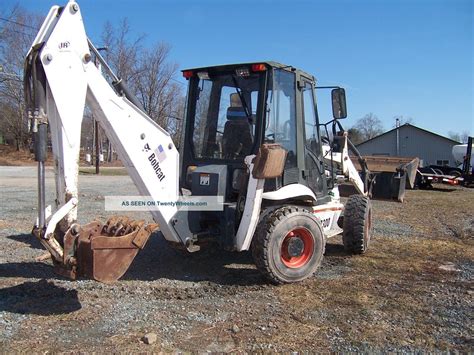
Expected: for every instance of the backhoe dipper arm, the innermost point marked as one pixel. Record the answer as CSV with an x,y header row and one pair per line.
x,y
60,65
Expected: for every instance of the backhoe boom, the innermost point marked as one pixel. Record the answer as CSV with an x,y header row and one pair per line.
x,y
61,78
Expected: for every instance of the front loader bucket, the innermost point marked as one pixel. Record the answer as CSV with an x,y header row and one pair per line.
x,y
103,252
389,186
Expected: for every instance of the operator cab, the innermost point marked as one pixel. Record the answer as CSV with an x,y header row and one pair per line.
x,y
231,111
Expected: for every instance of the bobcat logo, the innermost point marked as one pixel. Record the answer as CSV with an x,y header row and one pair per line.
x,y
155,158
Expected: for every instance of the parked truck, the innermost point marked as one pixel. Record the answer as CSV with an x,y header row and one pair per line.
x,y
454,175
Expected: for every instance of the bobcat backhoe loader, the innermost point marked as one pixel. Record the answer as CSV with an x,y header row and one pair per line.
x,y
251,136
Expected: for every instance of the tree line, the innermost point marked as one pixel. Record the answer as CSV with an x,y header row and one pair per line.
x,y
370,126
148,71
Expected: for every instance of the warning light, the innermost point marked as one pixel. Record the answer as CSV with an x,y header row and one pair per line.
x,y
259,67
188,74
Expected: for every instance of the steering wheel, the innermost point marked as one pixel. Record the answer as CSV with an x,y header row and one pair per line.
x,y
325,139
276,136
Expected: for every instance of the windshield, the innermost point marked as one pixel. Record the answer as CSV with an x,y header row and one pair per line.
x,y
225,115
280,125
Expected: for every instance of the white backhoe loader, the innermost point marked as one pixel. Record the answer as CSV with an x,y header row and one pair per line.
x,y
251,136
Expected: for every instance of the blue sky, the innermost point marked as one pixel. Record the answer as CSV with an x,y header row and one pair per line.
x,y
406,57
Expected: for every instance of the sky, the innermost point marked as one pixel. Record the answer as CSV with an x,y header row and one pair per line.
x,y
410,58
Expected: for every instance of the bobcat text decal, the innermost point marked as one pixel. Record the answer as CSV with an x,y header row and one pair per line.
x,y
156,157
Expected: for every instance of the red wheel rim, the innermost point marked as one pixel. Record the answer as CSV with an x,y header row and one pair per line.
x,y
297,236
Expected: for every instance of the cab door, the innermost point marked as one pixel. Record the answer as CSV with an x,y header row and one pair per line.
x,y
313,173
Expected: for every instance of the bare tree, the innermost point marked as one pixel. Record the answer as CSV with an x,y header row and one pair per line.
x,y
464,136
459,137
148,73
455,136
154,86
175,122
17,32
354,135
123,51
159,93
369,126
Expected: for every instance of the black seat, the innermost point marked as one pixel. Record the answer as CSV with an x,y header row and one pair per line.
x,y
237,138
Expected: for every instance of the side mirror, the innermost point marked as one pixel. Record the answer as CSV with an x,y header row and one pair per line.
x,y
338,97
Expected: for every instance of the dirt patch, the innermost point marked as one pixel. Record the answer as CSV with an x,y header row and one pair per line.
x,y
397,297
9,156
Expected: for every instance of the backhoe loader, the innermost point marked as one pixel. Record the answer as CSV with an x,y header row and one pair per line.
x,y
251,136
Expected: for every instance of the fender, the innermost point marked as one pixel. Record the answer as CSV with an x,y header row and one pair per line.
x,y
289,191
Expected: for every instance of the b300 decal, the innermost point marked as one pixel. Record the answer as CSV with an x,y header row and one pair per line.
x,y
326,222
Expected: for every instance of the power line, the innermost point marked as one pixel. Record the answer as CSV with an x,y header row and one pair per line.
x,y
177,81
19,24
36,29
175,117
18,32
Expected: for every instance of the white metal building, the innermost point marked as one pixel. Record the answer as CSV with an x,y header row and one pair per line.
x,y
411,141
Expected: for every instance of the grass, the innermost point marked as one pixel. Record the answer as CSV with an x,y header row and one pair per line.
x,y
104,171
396,295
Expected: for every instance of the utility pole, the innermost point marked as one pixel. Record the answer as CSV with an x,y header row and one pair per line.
x,y
97,146
397,124
96,124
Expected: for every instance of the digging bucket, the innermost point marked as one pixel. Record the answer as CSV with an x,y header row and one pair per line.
x,y
103,252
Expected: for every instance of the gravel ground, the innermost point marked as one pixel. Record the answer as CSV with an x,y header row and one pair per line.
x,y
411,292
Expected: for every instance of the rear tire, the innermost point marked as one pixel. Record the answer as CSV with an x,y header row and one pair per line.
x,y
288,245
357,226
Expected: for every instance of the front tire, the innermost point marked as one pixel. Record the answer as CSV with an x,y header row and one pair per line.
x,y
357,226
288,245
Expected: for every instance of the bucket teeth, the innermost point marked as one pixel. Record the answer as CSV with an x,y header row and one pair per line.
x,y
137,225
118,226
104,253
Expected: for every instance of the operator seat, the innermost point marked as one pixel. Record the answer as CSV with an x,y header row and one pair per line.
x,y
237,136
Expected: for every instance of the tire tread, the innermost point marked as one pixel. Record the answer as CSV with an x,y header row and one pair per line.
x,y
262,239
354,224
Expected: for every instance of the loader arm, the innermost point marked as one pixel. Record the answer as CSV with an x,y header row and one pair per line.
x,y
60,79
344,163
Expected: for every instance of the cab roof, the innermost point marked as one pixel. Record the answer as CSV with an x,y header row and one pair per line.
x,y
225,67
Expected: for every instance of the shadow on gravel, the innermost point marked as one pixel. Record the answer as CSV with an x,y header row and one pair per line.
x,y
40,298
335,250
28,239
158,260
35,270
437,189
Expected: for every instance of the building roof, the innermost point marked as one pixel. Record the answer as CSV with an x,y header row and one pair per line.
x,y
412,126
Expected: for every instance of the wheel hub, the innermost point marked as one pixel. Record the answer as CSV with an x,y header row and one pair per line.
x,y
295,247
